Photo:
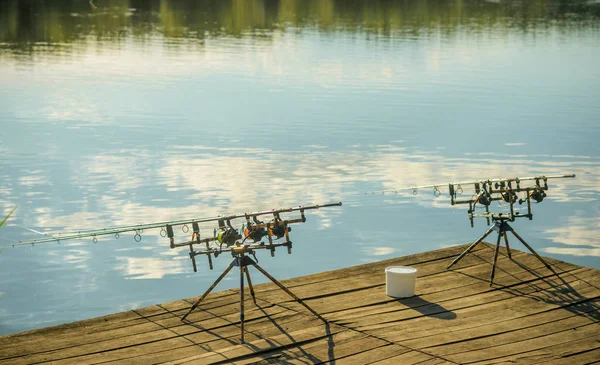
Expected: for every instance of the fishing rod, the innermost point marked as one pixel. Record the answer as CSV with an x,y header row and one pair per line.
x,y
486,191
139,228
459,184
243,244
226,236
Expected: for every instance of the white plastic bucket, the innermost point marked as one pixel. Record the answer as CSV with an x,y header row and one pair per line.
x,y
400,281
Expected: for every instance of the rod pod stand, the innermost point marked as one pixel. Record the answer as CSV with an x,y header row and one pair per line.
x,y
501,226
242,261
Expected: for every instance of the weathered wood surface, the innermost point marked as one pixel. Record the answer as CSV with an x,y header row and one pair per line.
x,y
529,316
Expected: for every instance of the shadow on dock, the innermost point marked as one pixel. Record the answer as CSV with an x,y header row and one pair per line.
x,y
427,308
547,286
201,328
278,356
555,289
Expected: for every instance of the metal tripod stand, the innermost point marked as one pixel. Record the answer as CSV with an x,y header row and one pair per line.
x,y
242,261
501,226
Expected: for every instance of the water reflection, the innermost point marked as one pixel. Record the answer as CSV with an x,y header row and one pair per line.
x,y
54,26
151,267
577,231
133,188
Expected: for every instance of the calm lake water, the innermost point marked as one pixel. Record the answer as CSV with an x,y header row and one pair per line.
x,y
142,111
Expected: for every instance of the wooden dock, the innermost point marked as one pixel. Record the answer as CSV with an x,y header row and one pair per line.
x,y
528,316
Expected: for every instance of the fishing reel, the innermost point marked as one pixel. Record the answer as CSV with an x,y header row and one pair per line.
x,y
255,231
509,196
537,195
484,199
279,231
276,229
255,234
227,234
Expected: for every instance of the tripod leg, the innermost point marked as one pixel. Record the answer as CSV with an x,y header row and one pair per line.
x,y
507,246
471,247
533,252
242,269
250,285
288,291
209,290
495,257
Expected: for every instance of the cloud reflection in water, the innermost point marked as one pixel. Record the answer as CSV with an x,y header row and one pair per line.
x,y
207,181
151,267
577,231
202,181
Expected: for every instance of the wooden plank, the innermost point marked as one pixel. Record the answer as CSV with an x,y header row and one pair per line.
x,y
428,305
174,337
438,257
365,279
306,352
451,286
372,355
435,333
410,357
331,349
208,340
582,351
395,331
221,339
445,283
97,329
501,334
515,311
41,337
512,307
64,357
220,314
239,352
585,351
270,326
201,342
529,315
513,345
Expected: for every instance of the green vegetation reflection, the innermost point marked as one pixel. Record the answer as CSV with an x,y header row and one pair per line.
x,y
28,25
